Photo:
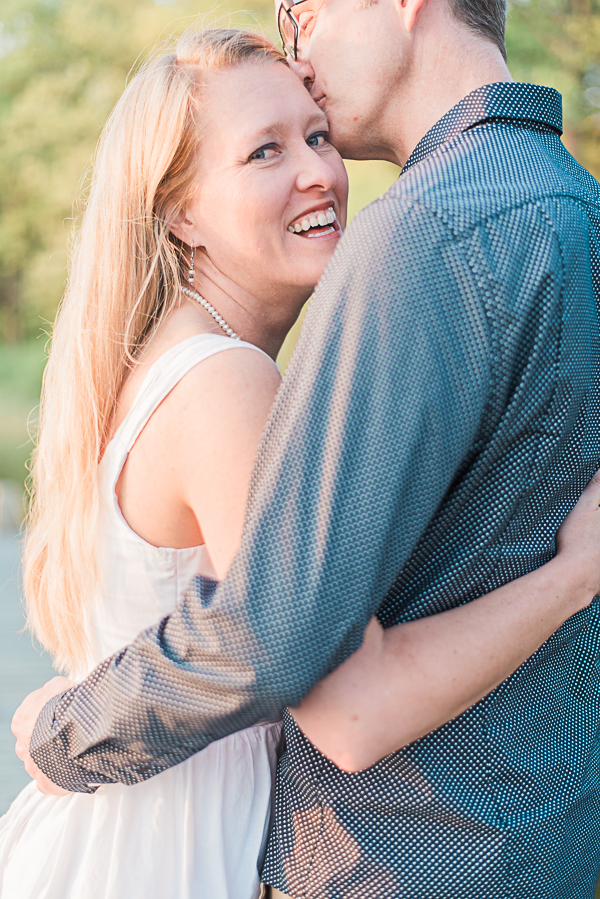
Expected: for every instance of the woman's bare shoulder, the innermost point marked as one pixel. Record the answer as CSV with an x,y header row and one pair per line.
x,y
199,446
222,372
197,450
238,380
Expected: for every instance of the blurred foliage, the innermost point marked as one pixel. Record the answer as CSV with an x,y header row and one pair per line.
x,y
557,42
63,63
21,367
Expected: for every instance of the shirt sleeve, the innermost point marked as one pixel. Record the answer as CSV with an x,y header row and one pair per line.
x,y
381,403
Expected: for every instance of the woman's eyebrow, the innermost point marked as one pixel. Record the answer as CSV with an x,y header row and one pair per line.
x,y
319,119
278,129
274,129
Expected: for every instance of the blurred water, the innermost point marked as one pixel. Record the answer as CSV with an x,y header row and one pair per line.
x,y
22,668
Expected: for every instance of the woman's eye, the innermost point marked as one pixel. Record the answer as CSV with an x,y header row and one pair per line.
x,y
320,139
266,152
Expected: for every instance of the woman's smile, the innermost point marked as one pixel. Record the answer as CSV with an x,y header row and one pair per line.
x,y
317,224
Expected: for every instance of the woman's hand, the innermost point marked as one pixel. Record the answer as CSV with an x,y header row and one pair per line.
x,y
410,679
23,724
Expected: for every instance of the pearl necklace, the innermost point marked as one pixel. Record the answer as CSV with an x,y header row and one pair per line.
x,y
210,309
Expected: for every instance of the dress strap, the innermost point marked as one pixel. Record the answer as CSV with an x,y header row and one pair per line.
x,y
166,373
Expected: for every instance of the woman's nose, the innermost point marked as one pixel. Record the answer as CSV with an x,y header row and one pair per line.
x,y
315,172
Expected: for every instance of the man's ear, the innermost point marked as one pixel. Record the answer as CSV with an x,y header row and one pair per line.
x,y
408,11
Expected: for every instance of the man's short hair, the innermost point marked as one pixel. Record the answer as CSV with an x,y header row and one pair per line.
x,y
485,17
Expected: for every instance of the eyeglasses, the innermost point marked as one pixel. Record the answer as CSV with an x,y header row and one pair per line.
x,y
289,27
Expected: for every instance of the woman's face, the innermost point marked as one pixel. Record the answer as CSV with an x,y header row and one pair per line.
x,y
267,171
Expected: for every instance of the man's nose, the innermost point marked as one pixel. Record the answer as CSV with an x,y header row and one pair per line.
x,y
303,69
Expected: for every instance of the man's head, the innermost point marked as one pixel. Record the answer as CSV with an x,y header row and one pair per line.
x,y
385,70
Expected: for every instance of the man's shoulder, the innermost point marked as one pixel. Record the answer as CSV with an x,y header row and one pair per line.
x,y
486,201
487,172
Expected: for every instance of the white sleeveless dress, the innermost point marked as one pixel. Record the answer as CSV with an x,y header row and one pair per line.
x,y
196,831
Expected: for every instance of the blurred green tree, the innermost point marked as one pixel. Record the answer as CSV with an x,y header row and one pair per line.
x,y
63,63
557,42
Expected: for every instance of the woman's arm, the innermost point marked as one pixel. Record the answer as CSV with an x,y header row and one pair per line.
x,y
229,397
410,679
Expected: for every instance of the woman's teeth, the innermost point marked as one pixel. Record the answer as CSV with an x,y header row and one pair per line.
x,y
316,220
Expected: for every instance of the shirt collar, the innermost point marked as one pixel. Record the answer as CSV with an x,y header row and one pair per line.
x,y
502,101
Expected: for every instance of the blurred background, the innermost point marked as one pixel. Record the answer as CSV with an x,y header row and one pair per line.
x,y
63,64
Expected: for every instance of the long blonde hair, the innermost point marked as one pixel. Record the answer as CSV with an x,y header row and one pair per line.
x,y
124,274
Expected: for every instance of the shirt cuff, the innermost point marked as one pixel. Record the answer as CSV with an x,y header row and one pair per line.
x,y
50,755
